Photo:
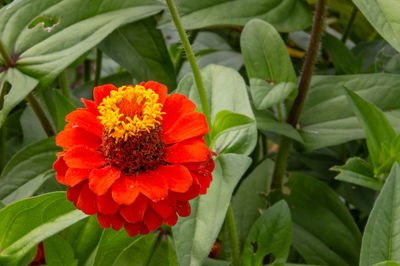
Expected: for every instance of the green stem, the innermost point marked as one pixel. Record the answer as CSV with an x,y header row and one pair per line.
x,y
88,70
41,115
63,82
230,223
192,60
99,59
285,143
8,62
2,128
349,24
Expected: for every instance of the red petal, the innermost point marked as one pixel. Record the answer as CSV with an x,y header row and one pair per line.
x,y
152,184
158,88
75,176
87,201
136,228
77,136
152,220
164,208
100,180
135,212
191,150
100,92
115,221
73,192
183,208
84,158
174,107
91,106
178,177
188,126
86,120
106,204
204,180
61,168
124,190
171,220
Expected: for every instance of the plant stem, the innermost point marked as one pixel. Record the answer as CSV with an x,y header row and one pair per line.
x,y
37,109
87,70
8,62
285,143
192,60
63,82
3,131
99,59
230,222
349,24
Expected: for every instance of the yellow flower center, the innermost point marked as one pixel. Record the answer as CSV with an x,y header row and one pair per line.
x,y
130,111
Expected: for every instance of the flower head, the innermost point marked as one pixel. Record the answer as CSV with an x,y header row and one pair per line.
x,y
134,156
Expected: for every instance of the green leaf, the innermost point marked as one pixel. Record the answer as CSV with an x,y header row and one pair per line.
x,y
21,84
224,83
63,107
164,254
224,123
317,212
359,172
140,48
342,58
265,54
58,252
26,223
195,235
376,126
29,165
46,50
327,117
381,240
384,17
265,95
271,234
83,237
285,15
249,198
387,263
266,122
118,248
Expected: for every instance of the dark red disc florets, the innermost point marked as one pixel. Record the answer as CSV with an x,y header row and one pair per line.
x,y
137,153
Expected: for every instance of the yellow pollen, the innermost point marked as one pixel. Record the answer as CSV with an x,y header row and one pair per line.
x,y
129,111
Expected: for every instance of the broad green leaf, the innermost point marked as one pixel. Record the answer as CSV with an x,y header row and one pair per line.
x,y
342,58
250,198
212,262
165,253
49,37
324,231
383,15
265,95
118,248
63,107
21,86
195,235
266,122
387,263
59,252
381,240
26,223
140,48
285,15
328,118
377,128
265,54
224,123
227,84
271,234
83,237
359,172
29,164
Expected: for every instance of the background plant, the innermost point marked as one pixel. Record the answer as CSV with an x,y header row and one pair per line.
x,y
306,132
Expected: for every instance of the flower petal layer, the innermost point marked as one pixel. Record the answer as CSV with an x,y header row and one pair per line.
x,y
100,180
84,157
86,120
188,126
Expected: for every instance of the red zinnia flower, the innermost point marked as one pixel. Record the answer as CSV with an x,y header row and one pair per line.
x,y
134,157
